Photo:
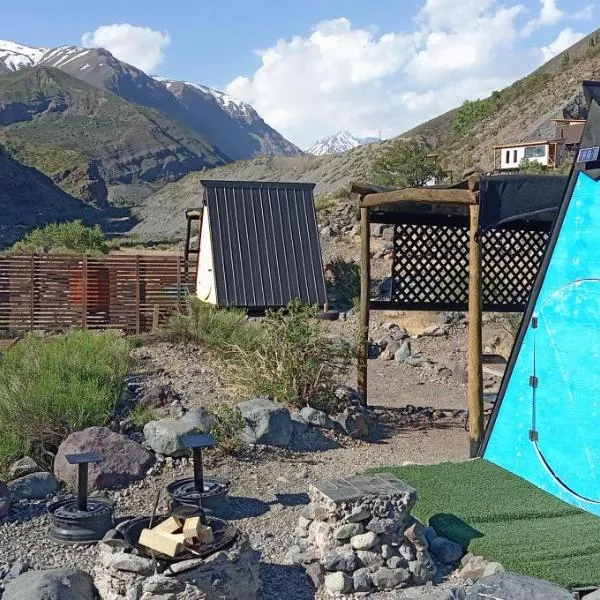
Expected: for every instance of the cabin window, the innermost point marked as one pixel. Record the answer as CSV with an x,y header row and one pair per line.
x,y
535,152
508,156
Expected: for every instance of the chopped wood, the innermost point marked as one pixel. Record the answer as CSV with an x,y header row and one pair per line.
x,y
171,525
192,527
159,541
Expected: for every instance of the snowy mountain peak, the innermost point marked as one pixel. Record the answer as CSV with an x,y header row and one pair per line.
x,y
339,142
16,56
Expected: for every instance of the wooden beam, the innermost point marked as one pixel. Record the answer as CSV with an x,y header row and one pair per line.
x,y
365,280
475,371
448,196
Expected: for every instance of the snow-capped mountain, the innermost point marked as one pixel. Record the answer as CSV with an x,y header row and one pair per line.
x,y
234,127
339,142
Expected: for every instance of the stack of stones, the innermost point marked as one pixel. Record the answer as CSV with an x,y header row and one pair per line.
x,y
358,535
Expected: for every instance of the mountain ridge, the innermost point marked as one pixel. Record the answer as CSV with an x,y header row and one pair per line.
x,y
338,143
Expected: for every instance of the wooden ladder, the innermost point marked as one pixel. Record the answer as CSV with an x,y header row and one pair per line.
x,y
190,266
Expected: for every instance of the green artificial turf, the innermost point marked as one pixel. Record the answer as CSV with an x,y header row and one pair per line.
x,y
506,519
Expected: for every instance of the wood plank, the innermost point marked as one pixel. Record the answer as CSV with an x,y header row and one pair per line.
x,y
450,197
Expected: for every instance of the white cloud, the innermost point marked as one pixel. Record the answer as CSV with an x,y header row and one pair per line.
x,y
142,47
341,77
565,39
550,14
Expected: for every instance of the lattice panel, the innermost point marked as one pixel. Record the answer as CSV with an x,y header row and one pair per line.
x,y
430,267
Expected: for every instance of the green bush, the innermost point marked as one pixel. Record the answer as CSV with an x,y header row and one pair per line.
x,y
227,429
50,388
73,236
471,112
532,167
295,361
140,415
343,281
215,328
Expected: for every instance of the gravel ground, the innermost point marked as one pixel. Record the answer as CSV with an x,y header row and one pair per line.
x,y
270,485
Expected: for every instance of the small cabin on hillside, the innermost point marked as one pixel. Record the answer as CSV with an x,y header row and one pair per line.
x,y
258,245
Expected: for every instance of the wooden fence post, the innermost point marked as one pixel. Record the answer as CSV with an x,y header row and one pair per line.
x,y
475,375
137,294
365,278
84,291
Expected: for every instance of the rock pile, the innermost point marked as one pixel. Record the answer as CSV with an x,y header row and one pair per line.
x,y
357,535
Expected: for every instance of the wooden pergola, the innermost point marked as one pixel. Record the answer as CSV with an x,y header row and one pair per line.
x,y
462,194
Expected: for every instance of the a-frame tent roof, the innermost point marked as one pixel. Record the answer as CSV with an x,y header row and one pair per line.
x,y
265,243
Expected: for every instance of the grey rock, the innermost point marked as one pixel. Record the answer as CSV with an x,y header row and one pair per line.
x,y
397,562
593,596
391,347
363,582
364,541
298,555
35,486
159,396
382,526
388,579
386,551
422,570
436,330
164,435
341,559
417,361
345,532
430,534
445,550
407,552
299,424
377,230
512,586
52,584
315,417
176,409
130,563
17,568
23,466
183,566
200,418
370,559
266,422
338,583
349,395
316,574
354,425
4,499
123,461
159,584
303,522
492,568
357,515
403,352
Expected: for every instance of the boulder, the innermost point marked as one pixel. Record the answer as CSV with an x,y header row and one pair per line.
x,y
403,352
513,586
315,417
35,486
345,532
4,499
266,422
299,424
338,583
159,396
388,579
52,584
363,581
23,466
316,574
164,435
341,559
124,461
364,541
355,425
446,551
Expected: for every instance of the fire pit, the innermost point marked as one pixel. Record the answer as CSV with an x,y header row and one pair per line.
x,y
224,534
207,493
81,521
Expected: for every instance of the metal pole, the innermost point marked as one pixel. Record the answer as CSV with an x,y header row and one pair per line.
x,y
365,277
475,375
198,470
82,485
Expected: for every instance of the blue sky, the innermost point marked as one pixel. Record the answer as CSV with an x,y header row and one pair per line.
x,y
311,68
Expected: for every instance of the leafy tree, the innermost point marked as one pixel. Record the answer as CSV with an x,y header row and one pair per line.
x,y
405,164
72,236
473,111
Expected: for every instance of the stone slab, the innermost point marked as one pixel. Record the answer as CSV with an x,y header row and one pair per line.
x,y
354,488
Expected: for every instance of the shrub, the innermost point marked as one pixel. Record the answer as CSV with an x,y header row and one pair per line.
x,y
229,424
532,167
295,361
343,279
215,328
471,112
49,389
73,236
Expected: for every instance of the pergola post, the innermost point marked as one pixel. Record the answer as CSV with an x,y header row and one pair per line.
x,y
475,372
365,278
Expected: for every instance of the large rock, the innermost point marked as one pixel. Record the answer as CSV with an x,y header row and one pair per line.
x,y
23,466
164,435
445,550
266,422
338,583
35,486
158,396
4,499
388,579
315,417
124,460
512,586
52,584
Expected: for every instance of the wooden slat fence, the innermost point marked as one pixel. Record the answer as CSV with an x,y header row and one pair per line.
x,y
55,292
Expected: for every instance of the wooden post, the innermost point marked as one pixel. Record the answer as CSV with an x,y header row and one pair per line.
x,y
186,250
475,375
365,278
32,290
137,293
84,291
178,281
